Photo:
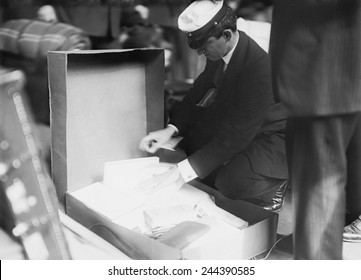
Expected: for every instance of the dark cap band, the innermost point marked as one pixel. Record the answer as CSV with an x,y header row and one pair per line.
x,y
198,37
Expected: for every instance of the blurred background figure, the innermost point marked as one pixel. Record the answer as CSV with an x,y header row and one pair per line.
x,y
98,18
21,9
138,32
47,13
257,10
316,67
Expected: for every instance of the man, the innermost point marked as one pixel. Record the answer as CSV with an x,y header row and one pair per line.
x,y
316,66
233,131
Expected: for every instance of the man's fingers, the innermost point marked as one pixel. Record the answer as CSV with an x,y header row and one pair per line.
x,y
149,145
152,147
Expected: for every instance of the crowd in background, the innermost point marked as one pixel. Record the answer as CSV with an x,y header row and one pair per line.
x,y
100,24
123,23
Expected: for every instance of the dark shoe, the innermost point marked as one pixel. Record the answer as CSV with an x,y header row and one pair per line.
x,y
352,232
276,203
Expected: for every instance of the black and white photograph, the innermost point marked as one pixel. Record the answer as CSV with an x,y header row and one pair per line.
x,y
214,133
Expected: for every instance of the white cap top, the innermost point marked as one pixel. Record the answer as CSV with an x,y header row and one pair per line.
x,y
198,14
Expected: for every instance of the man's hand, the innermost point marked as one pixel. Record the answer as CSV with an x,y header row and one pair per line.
x,y
154,140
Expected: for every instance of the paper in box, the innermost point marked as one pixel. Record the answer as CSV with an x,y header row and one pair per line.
x,y
258,237
102,104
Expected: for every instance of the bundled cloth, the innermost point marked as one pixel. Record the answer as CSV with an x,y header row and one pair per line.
x,y
33,39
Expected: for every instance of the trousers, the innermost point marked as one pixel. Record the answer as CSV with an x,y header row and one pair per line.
x,y
239,177
324,157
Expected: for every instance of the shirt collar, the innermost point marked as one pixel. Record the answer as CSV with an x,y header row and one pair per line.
x,y
228,56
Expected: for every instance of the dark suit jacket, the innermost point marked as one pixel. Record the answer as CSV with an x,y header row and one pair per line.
x,y
243,111
316,56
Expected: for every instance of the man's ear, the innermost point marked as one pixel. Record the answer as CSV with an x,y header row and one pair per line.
x,y
227,34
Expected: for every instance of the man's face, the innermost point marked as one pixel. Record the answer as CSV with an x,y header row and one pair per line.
x,y
213,49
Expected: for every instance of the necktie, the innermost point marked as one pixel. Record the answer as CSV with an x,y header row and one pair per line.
x,y
219,74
